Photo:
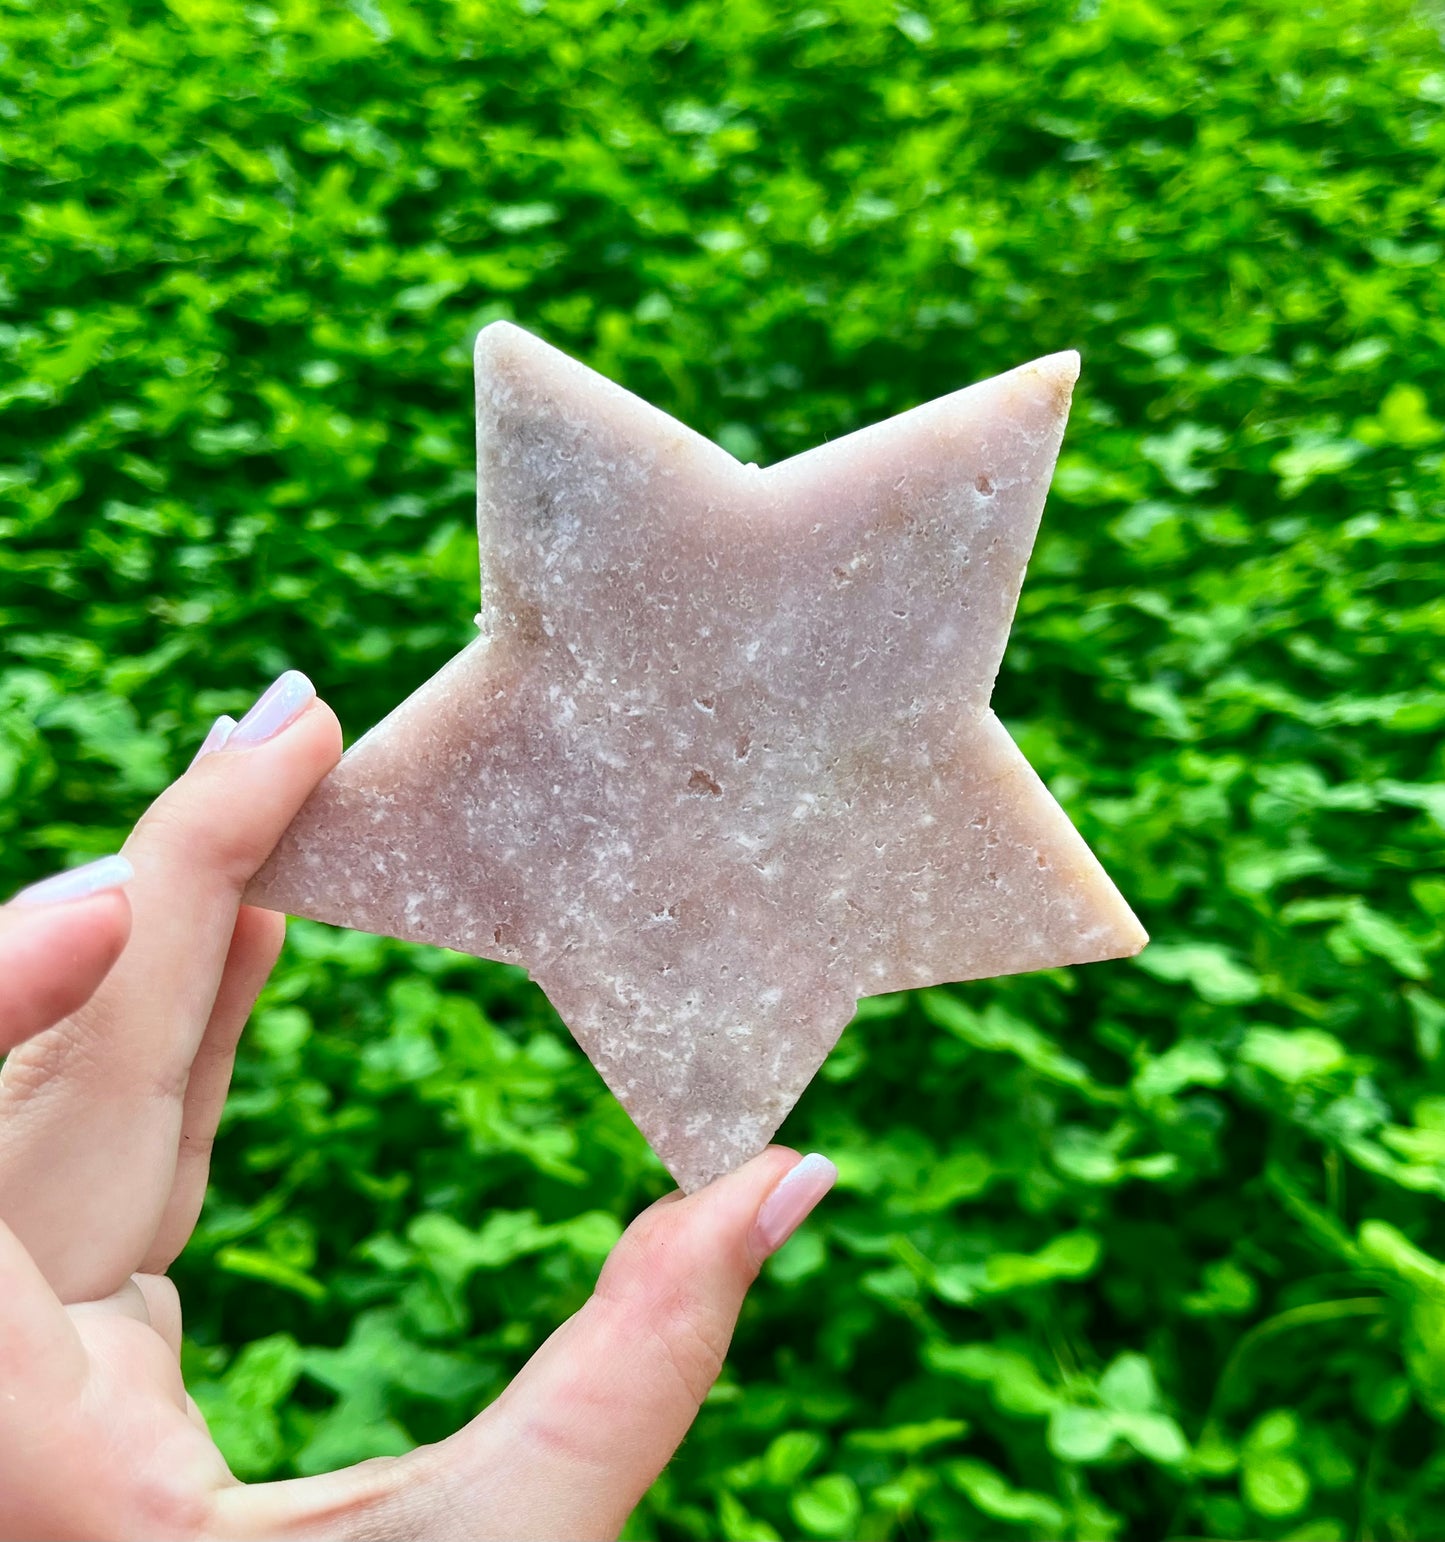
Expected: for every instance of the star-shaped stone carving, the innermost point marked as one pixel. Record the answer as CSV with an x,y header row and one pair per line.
x,y
721,759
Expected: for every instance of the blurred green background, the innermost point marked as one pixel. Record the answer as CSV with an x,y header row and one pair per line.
x,y
1146,1249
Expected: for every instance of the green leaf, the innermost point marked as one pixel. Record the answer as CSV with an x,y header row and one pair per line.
x,y
1174,454
1227,1291
1296,1055
351,1432
960,1175
991,1493
1016,1385
1185,1064
1081,1434
805,1254
256,1265
998,1031
1071,1257
1428,1016
828,1507
909,1439
736,1524
1403,419
1274,1485
791,1455
1388,1247
1206,967
1277,1430
1312,457
242,1409
1128,1385
1376,933
1154,1435
518,218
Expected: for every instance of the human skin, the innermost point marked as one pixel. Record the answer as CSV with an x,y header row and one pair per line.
x,y
120,1008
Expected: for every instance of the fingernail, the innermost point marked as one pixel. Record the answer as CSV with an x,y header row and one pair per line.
x,y
77,882
280,705
220,732
791,1202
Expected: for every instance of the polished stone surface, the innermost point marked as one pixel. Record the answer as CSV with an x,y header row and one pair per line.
x,y
721,759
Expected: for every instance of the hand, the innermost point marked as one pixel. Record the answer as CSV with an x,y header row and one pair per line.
x,y
130,992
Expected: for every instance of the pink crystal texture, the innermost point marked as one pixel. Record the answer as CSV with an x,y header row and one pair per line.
x,y
721,760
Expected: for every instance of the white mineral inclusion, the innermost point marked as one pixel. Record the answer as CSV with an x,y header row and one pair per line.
x,y
721,760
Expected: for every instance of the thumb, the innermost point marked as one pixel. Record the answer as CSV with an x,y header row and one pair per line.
x,y
573,1444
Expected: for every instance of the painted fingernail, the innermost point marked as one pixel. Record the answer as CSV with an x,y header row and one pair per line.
x,y
791,1202
220,731
77,882
279,706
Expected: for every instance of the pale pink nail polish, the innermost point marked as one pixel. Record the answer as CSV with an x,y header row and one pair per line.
x,y
221,730
279,706
790,1203
77,883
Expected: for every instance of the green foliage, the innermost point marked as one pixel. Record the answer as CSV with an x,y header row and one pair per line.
x,y
1135,1249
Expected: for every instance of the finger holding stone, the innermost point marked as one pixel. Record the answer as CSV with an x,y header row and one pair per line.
x,y
91,1112
599,1410
571,1446
255,946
